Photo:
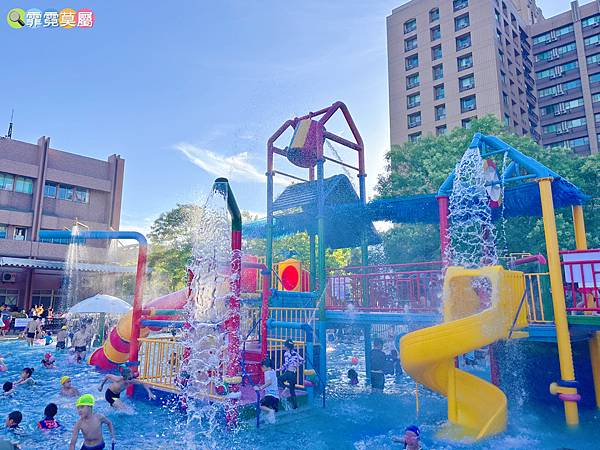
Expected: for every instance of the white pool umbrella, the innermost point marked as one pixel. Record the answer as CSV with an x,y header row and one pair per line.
x,y
101,303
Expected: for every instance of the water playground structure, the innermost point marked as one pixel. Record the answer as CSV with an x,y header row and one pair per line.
x,y
437,310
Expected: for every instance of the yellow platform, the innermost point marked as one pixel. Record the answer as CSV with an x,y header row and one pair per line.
x,y
477,407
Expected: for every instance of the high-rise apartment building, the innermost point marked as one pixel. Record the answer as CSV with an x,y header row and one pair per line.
x,y
451,61
566,52
46,189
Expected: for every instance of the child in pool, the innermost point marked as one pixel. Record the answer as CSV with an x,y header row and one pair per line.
x,y
26,374
90,425
411,438
13,420
352,377
3,366
270,402
67,389
48,361
118,385
49,423
7,388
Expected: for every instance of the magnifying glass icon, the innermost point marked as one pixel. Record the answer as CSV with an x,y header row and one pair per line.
x,y
15,17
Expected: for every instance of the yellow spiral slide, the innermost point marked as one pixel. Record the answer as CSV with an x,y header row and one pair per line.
x,y
480,307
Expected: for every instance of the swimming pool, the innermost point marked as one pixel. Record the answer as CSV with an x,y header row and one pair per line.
x,y
352,419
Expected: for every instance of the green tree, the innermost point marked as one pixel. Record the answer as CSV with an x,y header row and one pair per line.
x,y
171,245
421,167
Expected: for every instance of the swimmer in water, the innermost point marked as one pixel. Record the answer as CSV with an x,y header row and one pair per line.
x,y
118,385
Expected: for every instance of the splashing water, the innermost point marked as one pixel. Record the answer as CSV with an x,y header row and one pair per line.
x,y
71,282
206,312
472,234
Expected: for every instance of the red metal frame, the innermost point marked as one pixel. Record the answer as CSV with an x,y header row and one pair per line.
x,y
580,281
390,287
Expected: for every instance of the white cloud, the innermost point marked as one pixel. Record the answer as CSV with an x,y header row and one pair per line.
x,y
235,166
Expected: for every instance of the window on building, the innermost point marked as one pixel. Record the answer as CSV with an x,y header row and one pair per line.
x,y
557,109
596,98
434,14
497,16
506,120
552,35
593,59
438,92
461,22
23,185
82,195
591,40
410,44
412,81
499,36
564,126
595,78
560,70
7,182
48,298
9,297
463,42
467,82
466,123
442,129
468,103
414,120
438,72
65,192
410,26
459,4
563,88
557,52
3,231
411,62
20,234
465,62
440,112
592,21
505,99
50,189
413,100
503,77
435,33
436,52
414,137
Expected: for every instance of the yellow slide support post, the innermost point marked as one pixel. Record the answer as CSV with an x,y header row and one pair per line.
x,y
477,407
566,387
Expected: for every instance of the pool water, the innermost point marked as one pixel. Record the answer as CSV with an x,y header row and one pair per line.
x,y
352,419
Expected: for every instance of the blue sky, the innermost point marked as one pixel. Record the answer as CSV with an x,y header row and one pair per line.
x,y
193,90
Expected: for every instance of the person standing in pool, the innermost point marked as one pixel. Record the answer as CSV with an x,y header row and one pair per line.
x,y
377,366
291,362
61,338
80,343
90,425
118,385
34,328
270,402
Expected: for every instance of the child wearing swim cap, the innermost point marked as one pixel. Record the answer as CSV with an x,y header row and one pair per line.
x,y
67,389
90,425
411,438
